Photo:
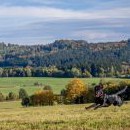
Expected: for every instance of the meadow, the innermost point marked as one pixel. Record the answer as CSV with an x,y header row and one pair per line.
x,y
14,84
63,117
13,116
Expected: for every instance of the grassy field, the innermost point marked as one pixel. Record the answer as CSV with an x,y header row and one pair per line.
x,y
14,84
59,117
63,117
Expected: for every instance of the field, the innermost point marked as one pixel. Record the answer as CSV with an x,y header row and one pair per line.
x,y
14,84
63,117
59,117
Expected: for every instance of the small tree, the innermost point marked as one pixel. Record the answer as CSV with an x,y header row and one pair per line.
x,y
76,91
22,93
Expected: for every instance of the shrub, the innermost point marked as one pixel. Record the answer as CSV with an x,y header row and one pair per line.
x,y
42,98
127,93
11,96
47,87
90,95
63,92
112,87
25,101
2,98
37,84
59,99
22,93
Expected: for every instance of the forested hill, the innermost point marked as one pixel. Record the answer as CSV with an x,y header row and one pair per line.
x,y
65,55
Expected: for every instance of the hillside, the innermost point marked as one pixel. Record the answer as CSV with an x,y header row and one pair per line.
x,y
68,54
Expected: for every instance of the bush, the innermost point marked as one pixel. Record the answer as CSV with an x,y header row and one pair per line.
x,y
37,84
127,93
22,93
11,96
90,95
42,98
25,101
47,87
113,87
63,92
59,99
2,98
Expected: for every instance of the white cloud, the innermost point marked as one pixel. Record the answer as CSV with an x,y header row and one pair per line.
x,y
55,13
46,2
98,35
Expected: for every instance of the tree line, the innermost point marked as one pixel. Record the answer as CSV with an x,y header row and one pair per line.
x,y
53,71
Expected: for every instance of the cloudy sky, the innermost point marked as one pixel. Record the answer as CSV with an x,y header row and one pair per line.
x,y
43,21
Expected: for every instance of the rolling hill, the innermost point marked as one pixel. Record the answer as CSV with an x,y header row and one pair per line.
x,y
68,54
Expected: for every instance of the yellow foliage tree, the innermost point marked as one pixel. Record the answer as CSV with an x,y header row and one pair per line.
x,y
75,89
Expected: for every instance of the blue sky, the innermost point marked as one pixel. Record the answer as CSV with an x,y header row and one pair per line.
x,y
43,21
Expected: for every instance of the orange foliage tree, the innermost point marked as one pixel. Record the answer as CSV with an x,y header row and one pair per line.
x,y
42,98
76,91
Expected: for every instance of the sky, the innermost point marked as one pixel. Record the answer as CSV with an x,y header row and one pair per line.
x,y
44,21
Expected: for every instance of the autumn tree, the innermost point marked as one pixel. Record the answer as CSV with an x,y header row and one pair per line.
x,y
76,91
42,98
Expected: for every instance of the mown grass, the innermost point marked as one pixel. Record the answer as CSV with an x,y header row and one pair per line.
x,y
14,84
63,117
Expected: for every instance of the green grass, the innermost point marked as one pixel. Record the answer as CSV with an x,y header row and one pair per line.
x,y
14,84
63,117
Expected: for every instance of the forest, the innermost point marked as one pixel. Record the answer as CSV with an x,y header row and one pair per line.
x,y
66,58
